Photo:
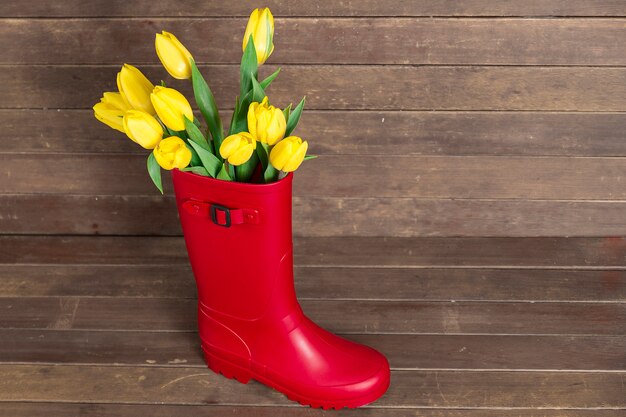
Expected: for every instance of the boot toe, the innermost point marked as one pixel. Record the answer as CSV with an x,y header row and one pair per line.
x,y
369,389
329,371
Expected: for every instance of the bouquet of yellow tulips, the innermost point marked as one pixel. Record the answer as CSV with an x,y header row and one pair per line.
x,y
258,146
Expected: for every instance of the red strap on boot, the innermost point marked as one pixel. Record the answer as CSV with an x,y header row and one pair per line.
x,y
220,215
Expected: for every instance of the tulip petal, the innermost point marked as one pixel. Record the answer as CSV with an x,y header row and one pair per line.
x,y
109,115
142,128
296,158
172,153
135,88
173,55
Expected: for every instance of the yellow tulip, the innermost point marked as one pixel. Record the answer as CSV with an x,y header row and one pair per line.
x,y
109,115
135,88
143,128
266,123
172,153
288,154
171,106
115,100
238,148
261,27
110,110
173,55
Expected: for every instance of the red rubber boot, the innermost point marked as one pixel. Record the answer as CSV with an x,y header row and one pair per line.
x,y
238,238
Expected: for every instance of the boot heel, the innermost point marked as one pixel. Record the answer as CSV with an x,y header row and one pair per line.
x,y
226,368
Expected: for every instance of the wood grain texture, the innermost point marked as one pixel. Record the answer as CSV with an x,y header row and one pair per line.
x,y
403,351
322,216
430,284
472,252
349,87
179,385
360,132
427,8
49,409
339,316
337,41
457,141
546,178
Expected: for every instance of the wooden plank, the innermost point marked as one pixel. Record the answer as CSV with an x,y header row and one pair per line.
x,y
341,316
427,8
337,41
403,351
319,216
179,385
432,284
29,409
468,252
360,132
349,87
475,177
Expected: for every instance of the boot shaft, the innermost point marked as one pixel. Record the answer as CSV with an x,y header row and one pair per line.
x,y
238,236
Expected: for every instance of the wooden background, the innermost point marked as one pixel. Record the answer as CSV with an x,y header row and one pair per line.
x,y
466,214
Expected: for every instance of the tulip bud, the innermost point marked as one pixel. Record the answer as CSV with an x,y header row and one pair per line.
x,y
110,110
172,153
288,154
135,88
109,115
171,106
261,27
173,55
238,148
142,128
266,123
116,100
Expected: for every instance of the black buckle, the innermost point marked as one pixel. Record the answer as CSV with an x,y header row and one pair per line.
x,y
226,210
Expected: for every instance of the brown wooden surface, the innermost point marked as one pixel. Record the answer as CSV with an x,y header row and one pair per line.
x,y
466,215
412,389
475,177
319,216
385,252
324,282
352,316
423,41
404,351
360,132
342,87
426,8
28,409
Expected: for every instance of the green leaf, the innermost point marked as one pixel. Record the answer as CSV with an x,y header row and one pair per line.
x,y
262,150
249,67
231,170
176,133
270,174
287,112
244,171
241,118
155,171
162,83
307,157
266,82
223,174
210,161
197,170
233,118
195,159
258,94
294,117
196,135
206,104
